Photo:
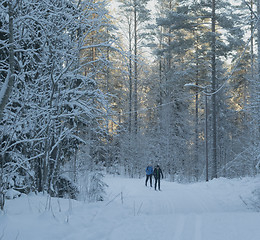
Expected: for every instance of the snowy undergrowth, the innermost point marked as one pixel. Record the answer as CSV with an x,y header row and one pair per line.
x,y
255,200
219,209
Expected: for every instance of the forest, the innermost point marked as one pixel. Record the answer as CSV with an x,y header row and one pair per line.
x,y
90,88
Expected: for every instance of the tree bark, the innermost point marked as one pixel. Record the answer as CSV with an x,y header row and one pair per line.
x,y
214,83
135,68
258,77
9,81
196,157
130,76
6,90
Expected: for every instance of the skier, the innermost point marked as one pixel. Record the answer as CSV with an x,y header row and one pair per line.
x,y
157,175
149,174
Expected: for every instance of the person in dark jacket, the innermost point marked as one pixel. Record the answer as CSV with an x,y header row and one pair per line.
x,y
157,175
149,174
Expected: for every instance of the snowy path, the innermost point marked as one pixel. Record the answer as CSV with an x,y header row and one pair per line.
x,y
185,212
200,211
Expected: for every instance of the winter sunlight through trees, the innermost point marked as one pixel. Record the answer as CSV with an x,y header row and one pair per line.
x,y
92,92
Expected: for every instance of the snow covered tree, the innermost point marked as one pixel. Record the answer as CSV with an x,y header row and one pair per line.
x,y
54,105
173,56
136,15
185,54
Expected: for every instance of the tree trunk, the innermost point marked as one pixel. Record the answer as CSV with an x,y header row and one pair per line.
x,y
8,84
196,157
258,39
257,100
6,92
130,76
214,83
252,41
135,68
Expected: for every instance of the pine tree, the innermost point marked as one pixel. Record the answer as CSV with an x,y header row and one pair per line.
x,y
137,16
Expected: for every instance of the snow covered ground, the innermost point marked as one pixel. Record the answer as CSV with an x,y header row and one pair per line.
x,y
215,210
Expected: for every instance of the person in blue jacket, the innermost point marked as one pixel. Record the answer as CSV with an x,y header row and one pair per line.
x,y
157,176
149,174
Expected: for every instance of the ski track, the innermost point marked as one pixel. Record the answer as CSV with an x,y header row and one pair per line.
x,y
198,228
181,208
179,228
132,211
